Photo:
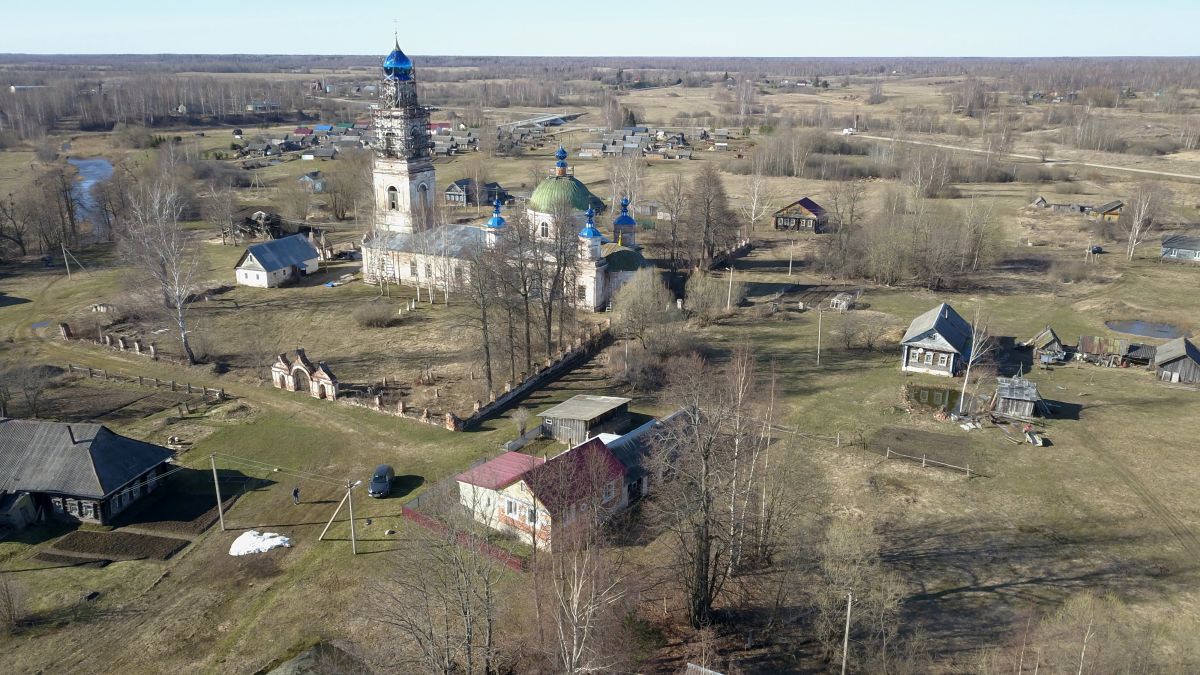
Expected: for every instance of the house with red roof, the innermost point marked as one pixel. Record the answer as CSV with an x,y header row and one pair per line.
x,y
533,498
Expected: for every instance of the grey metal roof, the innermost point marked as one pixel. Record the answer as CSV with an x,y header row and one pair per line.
x,y
83,460
452,241
1110,206
1016,388
279,254
1183,241
585,407
633,449
1176,349
944,321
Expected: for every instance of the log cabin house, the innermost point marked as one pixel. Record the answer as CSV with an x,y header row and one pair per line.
x,y
938,342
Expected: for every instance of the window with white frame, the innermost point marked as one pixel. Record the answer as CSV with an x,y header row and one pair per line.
x,y
544,231
412,268
510,507
928,358
914,355
943,359
531,515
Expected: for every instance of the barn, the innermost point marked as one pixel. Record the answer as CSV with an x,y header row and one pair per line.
x,y
1178,361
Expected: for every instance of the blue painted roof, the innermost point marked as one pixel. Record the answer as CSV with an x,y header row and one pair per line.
x,y
589,230
279,254
323,127
624,219
496,221
397,66
561,156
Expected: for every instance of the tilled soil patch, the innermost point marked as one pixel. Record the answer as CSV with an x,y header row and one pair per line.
x,y
56,559
179,513
120,545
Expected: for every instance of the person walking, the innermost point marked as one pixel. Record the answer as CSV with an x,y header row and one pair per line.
x,y
296,495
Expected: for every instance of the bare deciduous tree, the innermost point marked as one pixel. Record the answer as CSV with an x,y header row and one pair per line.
x,y
1146,205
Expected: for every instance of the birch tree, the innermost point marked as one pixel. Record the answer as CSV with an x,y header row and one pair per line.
x,y
1146,205
154,242
982,344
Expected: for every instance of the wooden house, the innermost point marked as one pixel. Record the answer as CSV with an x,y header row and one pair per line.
x,y
938,342
292,371
273,263
81,472
1178,361
802,214
1181,247
1015,397
584,416
463,192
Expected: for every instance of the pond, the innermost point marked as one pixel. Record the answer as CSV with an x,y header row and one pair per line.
x,y
940,398
92,170
1162,331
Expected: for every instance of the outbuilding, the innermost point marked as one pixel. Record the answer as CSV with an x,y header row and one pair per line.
x,y
802,214
585,416
1015,397
1178,361
274,263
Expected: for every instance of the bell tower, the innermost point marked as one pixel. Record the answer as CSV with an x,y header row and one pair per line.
x,y
404,184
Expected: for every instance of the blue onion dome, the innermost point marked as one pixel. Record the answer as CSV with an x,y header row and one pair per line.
x,y
561,156
397,66
624,219
496,221
589,230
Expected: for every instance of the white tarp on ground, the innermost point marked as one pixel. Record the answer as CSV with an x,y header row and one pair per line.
x,y
253,541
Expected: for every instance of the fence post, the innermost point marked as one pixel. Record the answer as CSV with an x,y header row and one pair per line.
x,y
922,461
889,454
839,439
968,471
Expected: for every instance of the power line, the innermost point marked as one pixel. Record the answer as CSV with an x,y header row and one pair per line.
x,y
274,468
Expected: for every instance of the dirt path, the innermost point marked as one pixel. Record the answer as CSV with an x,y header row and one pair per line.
x,y
1187,538
1049,160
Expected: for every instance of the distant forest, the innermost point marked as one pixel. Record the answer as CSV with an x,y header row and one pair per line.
x,y
99,92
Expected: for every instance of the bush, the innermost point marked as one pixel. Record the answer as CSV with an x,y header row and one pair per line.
x,y
374,315
708,298
641,370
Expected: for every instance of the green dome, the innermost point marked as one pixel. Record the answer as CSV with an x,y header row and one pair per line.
x,y
557,189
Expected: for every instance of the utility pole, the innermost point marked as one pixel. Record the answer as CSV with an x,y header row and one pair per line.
x,y
66,261
819,316
729,297
350,500
217,488
846,637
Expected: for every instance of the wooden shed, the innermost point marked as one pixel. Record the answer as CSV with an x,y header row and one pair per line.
x,y
1015,397
584,416
802,214
1178,361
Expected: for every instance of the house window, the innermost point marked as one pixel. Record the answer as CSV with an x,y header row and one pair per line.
x,y
412,268
545,230
581,293
943,359
914,355
510,507
458,274
428,271
531,515
393,199
928,358
610,491
57,503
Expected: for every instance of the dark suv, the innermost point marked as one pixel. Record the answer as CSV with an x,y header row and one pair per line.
x,y
381,482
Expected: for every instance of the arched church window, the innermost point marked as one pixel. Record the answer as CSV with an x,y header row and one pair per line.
x,y
393,199
545,230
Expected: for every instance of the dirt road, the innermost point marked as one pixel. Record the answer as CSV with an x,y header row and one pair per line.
x,y
1049,160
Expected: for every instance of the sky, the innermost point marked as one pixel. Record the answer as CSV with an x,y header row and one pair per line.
x,y
609,28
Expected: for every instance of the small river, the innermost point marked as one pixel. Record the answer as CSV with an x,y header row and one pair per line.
x,y
91,171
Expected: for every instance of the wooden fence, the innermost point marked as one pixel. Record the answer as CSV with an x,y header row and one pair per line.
x,y
152,382
925,462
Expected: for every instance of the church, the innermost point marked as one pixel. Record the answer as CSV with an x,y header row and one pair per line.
x,y
409,246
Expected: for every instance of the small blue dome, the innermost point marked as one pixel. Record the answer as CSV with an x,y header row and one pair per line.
x,y
589,230
561,156
397,66
624,219
496,221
